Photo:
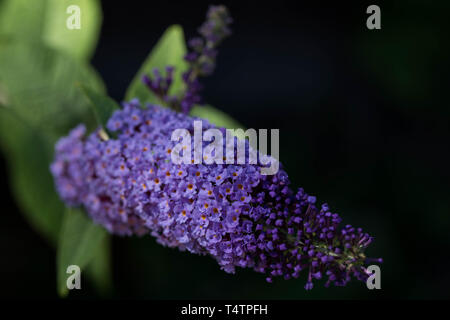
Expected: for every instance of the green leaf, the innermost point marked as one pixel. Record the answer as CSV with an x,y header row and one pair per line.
x,y
79,243
216,117
46,21
99,269
28,153
102,105
169,51
23,18
38,84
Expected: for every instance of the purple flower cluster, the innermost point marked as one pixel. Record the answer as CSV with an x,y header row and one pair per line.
x,y
201,60
231,212
203,52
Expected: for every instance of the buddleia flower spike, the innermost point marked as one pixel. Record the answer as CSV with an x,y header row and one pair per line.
x,y
233,213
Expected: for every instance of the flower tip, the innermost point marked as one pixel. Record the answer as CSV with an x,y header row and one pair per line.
x,y
309,286
145,79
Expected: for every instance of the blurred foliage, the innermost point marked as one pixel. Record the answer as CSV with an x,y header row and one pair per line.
x,y
40,62
100,268
45,21
29,153
78,243
38,84
102,105
217,117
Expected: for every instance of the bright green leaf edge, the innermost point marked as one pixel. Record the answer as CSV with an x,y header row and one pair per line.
x,y
46,21
217,117
78,241
168,51
102,105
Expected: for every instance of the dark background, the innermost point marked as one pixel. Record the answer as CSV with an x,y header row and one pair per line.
x,y
364,125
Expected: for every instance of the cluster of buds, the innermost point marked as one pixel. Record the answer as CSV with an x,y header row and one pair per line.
x,y
201,59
